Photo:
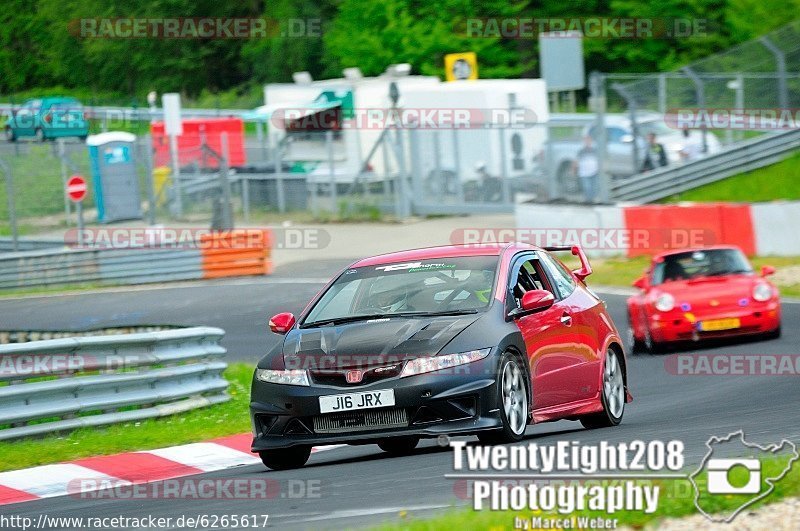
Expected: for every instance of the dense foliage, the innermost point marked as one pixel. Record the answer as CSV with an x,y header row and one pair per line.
x,y
41,45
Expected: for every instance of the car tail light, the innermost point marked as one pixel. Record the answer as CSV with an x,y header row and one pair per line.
x,y
48,118
85,115
762,292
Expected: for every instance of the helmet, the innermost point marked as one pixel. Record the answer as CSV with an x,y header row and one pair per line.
x,y
387,295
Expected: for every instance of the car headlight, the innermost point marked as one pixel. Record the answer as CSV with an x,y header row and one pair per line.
x,y
665,302
294,377
762,292
437,363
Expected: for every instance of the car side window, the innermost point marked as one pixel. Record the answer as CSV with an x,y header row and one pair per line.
x,y
562,277
530,276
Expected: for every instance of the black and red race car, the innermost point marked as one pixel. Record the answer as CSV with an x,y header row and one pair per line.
x,y
449,340
703,293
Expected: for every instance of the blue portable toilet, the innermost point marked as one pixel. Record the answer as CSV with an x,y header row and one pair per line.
x,y
116,183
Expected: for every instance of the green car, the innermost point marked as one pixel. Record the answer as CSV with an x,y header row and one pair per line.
x,y
48,118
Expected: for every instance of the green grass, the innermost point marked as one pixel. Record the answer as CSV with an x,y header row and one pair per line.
x,y
676,500
229,418
778,181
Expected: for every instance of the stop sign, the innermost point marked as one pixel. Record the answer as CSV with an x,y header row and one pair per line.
x,y
76,188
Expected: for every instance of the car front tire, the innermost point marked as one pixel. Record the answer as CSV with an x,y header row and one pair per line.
x,y
39,134
11,136
612,395
285,458
512,394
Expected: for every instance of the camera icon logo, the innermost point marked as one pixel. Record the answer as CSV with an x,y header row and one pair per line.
x,y
750,475
719,472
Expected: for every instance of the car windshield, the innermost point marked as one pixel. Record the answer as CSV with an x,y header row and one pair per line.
x,y
425,287
696,264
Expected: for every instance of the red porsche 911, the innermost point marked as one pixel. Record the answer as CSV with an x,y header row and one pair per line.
x,y
696,294
468,340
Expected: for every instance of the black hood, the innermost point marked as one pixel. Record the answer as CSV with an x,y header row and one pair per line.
x,y
370,343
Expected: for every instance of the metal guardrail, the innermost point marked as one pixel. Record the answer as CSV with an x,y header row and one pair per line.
x,y
25,244
741,157
64,384
239,252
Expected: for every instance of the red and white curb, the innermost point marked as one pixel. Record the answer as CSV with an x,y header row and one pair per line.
x,y
48,481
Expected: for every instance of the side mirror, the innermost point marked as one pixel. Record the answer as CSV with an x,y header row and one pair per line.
x,y
281,323
640,282
767,271
534,300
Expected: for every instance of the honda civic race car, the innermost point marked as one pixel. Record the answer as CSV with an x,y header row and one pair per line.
x,y
448,340
696,294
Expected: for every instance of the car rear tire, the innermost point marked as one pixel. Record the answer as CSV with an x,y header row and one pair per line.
x,y
285,458
11,136
39,134
512,395
612,395
399,445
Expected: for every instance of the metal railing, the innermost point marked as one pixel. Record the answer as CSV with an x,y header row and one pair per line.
x,y
64,384
742,157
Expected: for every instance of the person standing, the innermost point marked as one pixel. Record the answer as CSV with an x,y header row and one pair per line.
x,y
655,155
587,167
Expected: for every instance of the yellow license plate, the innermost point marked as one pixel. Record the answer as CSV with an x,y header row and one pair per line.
x,y
719,324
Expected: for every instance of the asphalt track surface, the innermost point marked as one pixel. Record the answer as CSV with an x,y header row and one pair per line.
x,y
360,485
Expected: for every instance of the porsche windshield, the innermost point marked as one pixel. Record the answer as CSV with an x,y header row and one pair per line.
x,y
436,286
696,264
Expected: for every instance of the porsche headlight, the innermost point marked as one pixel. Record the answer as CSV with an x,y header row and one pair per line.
x,y
437,363
294,377
762,292
665,302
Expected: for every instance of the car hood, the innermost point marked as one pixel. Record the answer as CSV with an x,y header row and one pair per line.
x,y
371,343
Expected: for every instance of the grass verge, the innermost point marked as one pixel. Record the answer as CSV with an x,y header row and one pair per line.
x,y
675,501
770,183
229,418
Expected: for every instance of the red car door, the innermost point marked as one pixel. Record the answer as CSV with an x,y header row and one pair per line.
x,y
586,324
548,340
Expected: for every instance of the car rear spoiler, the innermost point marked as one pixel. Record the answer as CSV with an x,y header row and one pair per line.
x,y
585,269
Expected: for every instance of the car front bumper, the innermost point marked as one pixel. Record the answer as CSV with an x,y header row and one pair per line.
x,y
760,319
426,405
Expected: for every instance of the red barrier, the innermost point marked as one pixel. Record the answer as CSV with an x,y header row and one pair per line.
x,y
195,130
679,226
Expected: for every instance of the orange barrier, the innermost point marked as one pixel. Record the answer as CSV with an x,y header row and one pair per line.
x,y
238,252
678,226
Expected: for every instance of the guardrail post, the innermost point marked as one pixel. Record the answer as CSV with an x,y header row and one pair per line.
x,y
62,155
597,89
12,211
227,215
780,69
701,99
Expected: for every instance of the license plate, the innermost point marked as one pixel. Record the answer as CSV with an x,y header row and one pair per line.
x,y
719,324
352,401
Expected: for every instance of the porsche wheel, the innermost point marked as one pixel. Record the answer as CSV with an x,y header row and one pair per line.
x,y
513,399
285,458
612,395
